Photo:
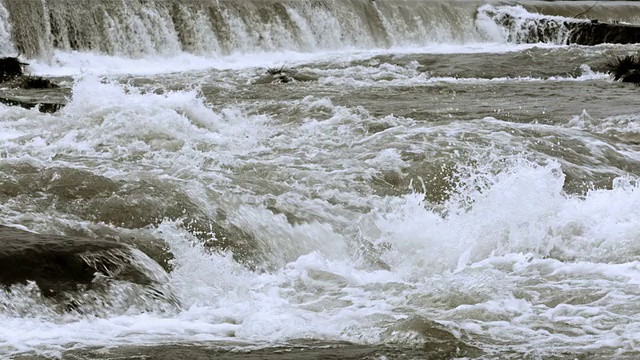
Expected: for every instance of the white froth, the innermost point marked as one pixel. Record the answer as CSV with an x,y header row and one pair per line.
x,y
510,255
385,75
79,63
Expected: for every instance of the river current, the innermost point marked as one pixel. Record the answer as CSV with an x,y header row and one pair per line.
x,y
428,185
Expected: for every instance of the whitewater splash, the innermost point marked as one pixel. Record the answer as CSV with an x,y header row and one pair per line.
x,y
335,272
395,196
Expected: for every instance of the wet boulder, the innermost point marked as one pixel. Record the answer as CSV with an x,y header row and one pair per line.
x,y
439,341
10,68
64,263
17,87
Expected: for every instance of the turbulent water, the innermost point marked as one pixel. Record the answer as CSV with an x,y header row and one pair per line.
x,y
433,183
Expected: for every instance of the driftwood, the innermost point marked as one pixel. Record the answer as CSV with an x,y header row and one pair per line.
x,y
280,75
283,75
625,69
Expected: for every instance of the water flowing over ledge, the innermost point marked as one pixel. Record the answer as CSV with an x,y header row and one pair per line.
x,y
138,28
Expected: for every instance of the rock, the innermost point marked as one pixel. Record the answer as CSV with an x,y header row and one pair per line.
x,y
12,76
37,83
10,67
595,32
439,342
64,263
30,102
570,30
152,246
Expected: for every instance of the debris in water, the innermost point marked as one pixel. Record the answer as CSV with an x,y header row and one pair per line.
x,y
280,76
625,69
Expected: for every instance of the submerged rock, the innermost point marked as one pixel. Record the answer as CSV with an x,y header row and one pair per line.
x,y
439,342
64,263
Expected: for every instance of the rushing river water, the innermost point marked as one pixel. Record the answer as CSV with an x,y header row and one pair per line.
x,y
432,184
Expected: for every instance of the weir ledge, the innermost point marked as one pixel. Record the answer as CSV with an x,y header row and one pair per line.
x,y
595,32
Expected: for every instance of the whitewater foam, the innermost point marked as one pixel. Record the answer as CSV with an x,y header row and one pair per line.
x,y
386,74
482,250
509,257
83,63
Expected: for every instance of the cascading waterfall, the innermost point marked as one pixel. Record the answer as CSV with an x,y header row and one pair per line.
x,y
213,28
6,46
146,28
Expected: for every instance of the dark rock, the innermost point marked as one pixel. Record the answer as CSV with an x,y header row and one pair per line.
x,y
152,246
440,342
571,30
284,76
126,207
38,83
63,263
12,76
10,67
594,33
